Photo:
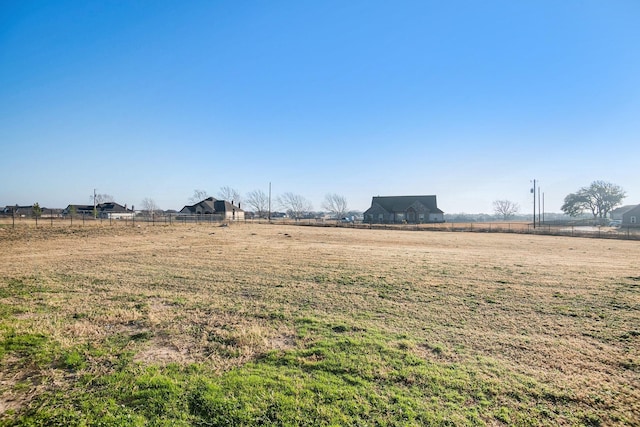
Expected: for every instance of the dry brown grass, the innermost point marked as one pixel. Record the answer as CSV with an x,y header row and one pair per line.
x,y
562,311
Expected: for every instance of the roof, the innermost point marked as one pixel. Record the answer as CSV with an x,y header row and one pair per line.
x,y
224,206
623,209
211,205
206,204
100,207
112,207
634,209
81,207
402,203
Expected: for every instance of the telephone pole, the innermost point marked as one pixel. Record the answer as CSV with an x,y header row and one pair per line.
x,y
269,202
539,208
533,190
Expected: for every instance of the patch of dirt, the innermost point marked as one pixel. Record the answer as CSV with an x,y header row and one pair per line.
x,y
13,398
161,352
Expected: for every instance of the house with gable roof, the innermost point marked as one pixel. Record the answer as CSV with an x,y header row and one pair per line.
x,y
631,217
403,209
219,209
109,210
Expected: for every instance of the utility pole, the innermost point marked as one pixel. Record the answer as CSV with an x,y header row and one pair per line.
x,y
539,208
269,202
94,203
533,190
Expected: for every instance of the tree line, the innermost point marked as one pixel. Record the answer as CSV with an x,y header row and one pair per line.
x,y
295,205
599,199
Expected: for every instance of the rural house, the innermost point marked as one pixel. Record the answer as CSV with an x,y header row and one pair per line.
x,y
107,210
219,209
403,209
631,217
627,215
18,211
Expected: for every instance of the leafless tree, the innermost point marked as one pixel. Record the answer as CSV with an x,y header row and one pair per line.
x,y
104,198
336,204
506,208
230,195
149,206
295,205
198,196
258,200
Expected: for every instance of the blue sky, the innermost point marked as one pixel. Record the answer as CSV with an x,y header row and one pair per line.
x,y
468,100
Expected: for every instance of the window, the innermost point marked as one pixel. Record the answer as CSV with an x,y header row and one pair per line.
x,y
632,220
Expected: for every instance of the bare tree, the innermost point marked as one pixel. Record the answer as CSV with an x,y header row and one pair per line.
x,y
198,196
149,206
506,208
295,205
258,200
230,195
336,204
104,198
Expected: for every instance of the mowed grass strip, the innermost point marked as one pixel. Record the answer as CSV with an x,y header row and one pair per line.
x,y
260,324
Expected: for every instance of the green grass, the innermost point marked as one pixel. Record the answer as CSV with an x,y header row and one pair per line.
x,y
359,328
341,375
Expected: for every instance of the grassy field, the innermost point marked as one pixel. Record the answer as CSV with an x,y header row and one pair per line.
x,y
283,325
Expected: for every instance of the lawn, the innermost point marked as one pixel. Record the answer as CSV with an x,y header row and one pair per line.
x,y
282,325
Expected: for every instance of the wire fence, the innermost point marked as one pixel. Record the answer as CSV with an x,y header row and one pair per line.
x,y
113,220
555,229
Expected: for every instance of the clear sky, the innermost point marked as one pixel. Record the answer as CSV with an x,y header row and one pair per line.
x,y
467,100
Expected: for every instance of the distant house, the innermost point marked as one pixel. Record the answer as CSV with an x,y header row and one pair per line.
x,y
108,210
403,209
86,210
617,213
218,209
631,217
18,211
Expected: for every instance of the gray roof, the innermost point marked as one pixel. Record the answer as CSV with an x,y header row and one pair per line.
x,y
207,206
211,205
402,203
623,209
100,207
